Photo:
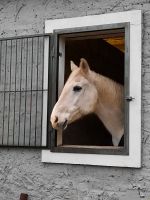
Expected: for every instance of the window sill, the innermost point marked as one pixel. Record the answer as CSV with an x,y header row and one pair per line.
x,y
92,159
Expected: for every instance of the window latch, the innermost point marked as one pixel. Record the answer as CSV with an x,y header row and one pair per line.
x,y
129,98
60,54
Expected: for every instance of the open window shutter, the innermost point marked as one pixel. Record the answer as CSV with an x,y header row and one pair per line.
x,y
53,81
23,86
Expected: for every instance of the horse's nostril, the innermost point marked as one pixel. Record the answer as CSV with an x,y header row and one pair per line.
x,y
56,119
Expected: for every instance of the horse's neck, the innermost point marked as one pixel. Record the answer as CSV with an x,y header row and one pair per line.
x,y
109,92
110,105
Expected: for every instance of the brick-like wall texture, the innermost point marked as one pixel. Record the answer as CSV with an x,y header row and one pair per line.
x,y
21,170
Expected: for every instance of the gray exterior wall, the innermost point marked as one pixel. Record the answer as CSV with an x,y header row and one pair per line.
x,y
21,170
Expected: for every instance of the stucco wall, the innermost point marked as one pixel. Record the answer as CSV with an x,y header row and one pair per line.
x,y
21,170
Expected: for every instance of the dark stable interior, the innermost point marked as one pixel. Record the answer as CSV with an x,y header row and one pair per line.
x,y
103,58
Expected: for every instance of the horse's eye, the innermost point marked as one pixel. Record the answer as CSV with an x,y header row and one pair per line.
x,y
77,88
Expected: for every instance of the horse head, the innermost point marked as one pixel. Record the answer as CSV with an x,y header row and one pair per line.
x,y
78,97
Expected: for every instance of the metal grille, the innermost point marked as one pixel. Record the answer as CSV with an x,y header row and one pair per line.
x,y
21,91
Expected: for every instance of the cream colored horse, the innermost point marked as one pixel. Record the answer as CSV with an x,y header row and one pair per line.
x,y
87,92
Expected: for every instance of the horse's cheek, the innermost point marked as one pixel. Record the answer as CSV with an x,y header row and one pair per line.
x,y
91,100
87,105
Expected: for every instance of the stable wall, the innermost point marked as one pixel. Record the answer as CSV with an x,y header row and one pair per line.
x,y
21,170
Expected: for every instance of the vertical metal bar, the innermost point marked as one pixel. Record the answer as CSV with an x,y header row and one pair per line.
x,y
42,88
26,90
36,88
15,98
31,94
0,63
49,95
9,88
20,92
0,58
4,93
127,86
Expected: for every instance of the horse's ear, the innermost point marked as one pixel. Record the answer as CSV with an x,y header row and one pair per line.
x,y
73,66
84,65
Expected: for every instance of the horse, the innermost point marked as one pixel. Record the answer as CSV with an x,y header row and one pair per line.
x,y
87,92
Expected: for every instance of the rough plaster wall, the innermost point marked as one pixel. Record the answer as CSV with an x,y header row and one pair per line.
x,y
21,170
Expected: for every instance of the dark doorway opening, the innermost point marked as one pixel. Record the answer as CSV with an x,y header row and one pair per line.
x,y
105,56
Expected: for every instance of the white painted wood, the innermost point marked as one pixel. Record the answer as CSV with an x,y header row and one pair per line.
x,y
120,17
46,58
134,157
61,64
44,120
59,137
45,93
90,159
135,91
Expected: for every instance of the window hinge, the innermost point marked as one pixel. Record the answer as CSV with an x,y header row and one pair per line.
x,y
129,98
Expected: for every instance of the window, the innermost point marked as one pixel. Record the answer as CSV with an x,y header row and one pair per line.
x,y
116,34
92,43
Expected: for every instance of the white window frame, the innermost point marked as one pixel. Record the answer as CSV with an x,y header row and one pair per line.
x,y
133,159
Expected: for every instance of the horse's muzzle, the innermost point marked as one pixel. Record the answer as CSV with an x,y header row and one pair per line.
x,y
56,124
